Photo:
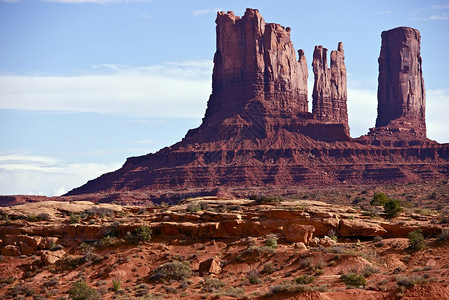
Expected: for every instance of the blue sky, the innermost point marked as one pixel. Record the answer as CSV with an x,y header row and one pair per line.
x,y
86,83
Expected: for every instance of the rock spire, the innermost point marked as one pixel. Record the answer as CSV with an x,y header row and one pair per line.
x,y
330,89
401,94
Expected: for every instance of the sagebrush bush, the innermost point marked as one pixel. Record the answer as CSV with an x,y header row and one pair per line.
x,y
353,279
411,281
140,234
305,279
263,199
100,211
108,241
173,270
272,242
81,291
253,276
444,235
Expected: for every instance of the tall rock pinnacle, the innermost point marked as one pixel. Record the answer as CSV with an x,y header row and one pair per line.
x,y
330,89
401,94
253,60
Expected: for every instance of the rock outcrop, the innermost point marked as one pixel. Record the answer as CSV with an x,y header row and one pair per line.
x,y
330,90
401,93
257,130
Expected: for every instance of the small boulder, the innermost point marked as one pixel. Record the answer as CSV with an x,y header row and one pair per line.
x,y
51,257
26,249
47,242
300,246
10,250
210,266
295,233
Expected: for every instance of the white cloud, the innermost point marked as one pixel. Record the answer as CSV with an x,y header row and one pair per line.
x,y
385,12
426,14
205,11
439,7
171,90
45,175
437,106
441,17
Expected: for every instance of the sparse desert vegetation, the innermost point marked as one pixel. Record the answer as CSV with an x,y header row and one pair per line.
x,y
208,248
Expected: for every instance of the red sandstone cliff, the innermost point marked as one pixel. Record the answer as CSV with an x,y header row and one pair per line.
x,y
257,130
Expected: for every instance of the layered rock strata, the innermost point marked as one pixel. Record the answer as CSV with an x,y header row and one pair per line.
x,y
401,93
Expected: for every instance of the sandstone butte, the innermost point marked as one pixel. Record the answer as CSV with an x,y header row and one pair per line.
x,y
257,131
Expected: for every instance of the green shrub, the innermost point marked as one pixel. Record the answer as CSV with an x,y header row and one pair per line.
x,y
292,287
108,241
305,279
253,276
268,268
197,206
263,199
353,279
100,211
7,280
416,240
116,284
74,218
379,199
43,216
272,242
32,218
140,234
174,270
81,291
392,208
213,285
370,270
22,289
408,282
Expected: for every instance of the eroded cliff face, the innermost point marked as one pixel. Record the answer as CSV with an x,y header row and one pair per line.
x,y
401,93
255,61
330,88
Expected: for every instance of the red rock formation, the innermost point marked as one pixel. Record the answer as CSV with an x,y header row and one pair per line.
x,y
255,61
401,94
257,132
330,90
